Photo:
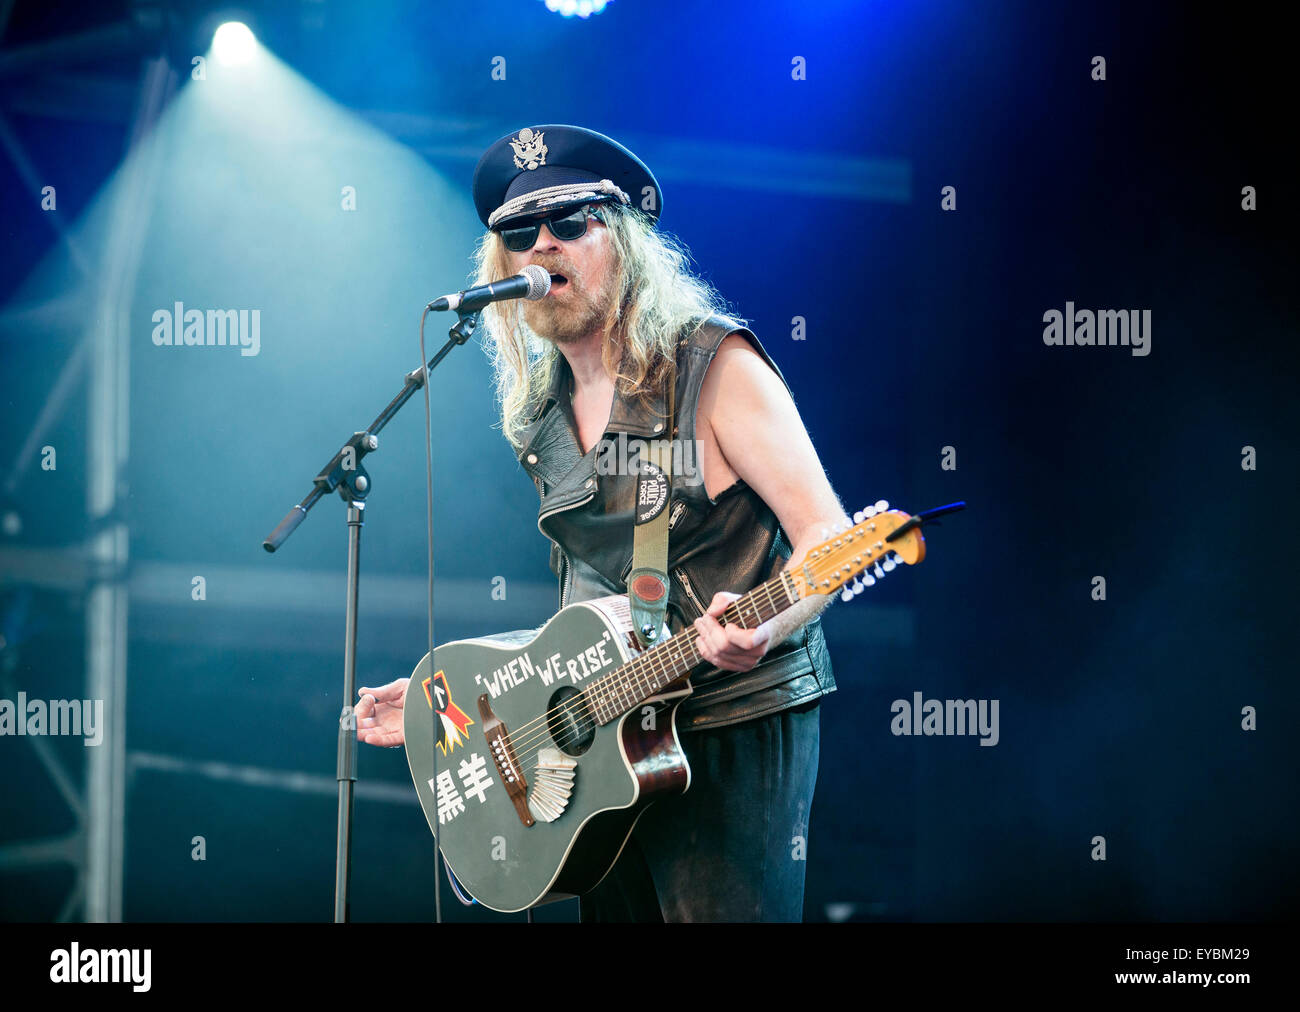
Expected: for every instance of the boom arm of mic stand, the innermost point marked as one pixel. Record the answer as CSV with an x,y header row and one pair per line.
x,y
353,478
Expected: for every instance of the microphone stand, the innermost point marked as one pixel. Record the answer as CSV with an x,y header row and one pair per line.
x,y
346,475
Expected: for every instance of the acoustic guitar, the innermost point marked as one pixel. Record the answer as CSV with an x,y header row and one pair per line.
x,y
550,743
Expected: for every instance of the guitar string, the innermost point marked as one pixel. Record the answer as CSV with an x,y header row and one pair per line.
x,y
538,729
605,681
691,641
645,660
650,665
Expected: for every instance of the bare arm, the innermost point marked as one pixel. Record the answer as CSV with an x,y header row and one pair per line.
x,y
763,440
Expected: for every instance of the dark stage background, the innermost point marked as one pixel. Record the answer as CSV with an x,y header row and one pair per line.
x,y
815,198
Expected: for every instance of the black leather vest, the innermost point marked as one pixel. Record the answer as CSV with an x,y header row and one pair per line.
x,y
732,543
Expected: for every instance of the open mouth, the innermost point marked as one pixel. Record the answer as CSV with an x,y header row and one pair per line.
x,y
558,281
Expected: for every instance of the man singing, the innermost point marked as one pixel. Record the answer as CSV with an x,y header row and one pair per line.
x,y
589,363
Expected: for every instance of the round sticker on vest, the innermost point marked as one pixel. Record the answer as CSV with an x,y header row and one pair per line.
x,y
651,492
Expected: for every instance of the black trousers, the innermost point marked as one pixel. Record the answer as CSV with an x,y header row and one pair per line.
x,y
734,846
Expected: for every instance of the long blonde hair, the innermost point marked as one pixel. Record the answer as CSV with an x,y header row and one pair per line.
x,y
658,301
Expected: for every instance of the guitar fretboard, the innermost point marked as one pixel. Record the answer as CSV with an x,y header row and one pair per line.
x,y
661,665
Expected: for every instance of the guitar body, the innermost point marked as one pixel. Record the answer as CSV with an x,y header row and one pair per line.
x,y
508,854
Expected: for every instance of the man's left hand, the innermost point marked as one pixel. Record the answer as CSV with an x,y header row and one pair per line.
x,y
730,647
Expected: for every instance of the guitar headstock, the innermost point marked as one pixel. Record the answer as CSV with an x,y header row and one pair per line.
x,y
855,556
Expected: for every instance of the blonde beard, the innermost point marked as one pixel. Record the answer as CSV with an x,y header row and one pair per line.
x,y
573,321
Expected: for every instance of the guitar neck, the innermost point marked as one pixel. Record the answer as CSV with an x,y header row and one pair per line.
x,y
881,535
657,668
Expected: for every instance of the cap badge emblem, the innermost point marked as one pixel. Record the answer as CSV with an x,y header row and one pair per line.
x,y
530,151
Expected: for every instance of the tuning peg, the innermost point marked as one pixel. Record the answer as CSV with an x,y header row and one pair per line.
x,y
882,505
868,580
857,586
868,513
880,573
889,564
846,594
859,516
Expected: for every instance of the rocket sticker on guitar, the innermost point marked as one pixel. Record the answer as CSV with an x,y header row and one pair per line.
x,y
453,722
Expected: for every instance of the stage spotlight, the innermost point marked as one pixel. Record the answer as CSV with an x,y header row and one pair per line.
x,y
233,44
576,8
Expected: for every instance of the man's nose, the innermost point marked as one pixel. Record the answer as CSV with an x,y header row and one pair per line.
x,y
545,240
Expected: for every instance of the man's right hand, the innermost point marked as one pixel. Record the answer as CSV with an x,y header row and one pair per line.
x,y
379,714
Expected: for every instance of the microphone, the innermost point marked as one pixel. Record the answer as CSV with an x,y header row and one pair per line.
x,y
532,284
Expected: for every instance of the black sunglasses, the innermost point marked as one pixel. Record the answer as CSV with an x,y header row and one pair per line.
x,y
565,225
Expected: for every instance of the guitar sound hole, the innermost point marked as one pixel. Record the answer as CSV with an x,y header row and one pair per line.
x,y
569,721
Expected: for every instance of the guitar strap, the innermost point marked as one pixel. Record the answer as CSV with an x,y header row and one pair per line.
x,y
647,583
